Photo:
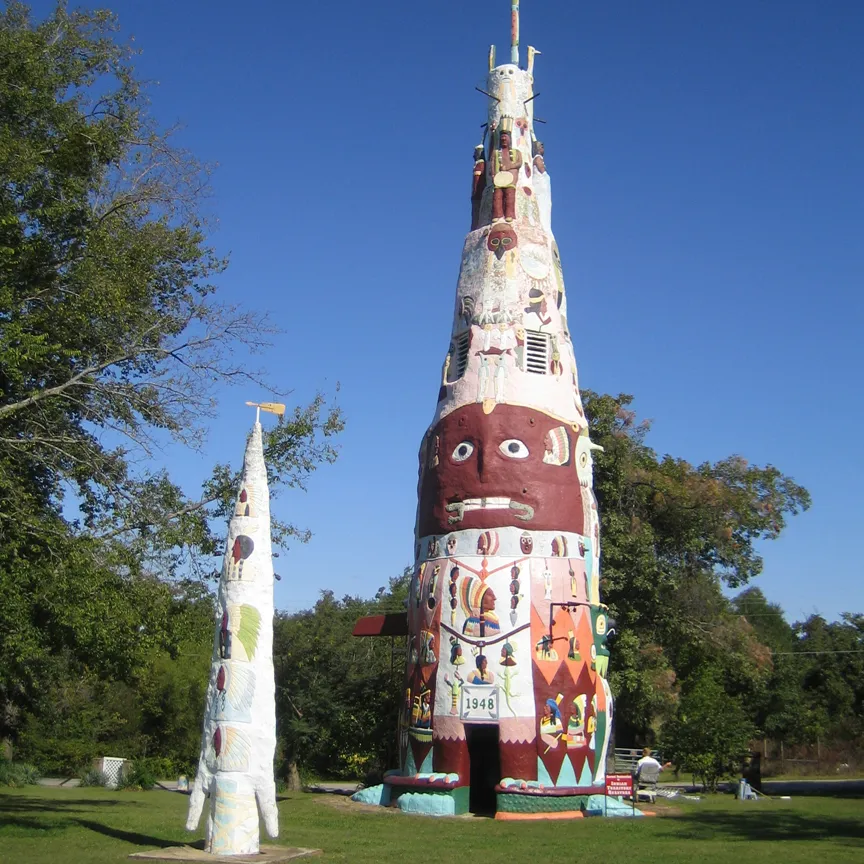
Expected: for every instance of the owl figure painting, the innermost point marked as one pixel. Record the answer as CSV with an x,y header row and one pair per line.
x,y
514,718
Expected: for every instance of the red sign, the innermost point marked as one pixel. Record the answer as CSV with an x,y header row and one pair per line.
x,y
619,785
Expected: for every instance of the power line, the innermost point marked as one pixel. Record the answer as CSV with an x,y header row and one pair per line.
x,y
794,653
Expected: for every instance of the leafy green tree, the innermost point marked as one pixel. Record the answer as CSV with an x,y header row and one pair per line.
x,y
338,695
711,732
672,534
110,319
782,712
80,711
113,341
831,659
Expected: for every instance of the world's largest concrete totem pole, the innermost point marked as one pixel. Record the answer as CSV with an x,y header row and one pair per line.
x,y
507,634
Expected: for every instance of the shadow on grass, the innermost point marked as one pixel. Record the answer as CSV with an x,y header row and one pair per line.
x,y
133,836
27,814
768,824
18,803
820,788
324,790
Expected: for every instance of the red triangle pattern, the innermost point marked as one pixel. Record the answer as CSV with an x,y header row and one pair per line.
x,y
553,754
556,674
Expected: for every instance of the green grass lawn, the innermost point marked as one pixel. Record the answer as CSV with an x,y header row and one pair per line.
x,y
66,826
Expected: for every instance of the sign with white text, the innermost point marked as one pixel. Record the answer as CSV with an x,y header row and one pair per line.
x,y
619,785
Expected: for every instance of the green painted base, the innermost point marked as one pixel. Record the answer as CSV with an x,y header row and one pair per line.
x,y
459,795
515,803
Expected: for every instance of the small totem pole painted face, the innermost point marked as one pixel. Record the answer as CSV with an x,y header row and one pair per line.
x,y
559,547
502,238
526,541
492,474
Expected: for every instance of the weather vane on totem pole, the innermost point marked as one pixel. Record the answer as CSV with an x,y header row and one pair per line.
x,y
276,408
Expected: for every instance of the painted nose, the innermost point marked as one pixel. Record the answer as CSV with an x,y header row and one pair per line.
x,y
482,465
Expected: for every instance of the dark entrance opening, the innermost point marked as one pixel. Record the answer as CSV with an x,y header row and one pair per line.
x,y
485,762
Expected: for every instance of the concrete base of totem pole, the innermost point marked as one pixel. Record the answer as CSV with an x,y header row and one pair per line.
x,y
267,855
398,786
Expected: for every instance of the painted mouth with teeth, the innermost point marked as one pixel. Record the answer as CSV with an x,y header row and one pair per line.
x,y
458,509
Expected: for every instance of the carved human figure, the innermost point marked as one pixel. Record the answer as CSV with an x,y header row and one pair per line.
x,y
539,157
543,195
482,674
551,725
478,601
508,162
478,185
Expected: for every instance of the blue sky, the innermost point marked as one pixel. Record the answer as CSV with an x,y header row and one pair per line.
x,y
707,162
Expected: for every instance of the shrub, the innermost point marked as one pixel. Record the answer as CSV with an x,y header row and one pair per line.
x,y
159,767
138,777
17,774
93,778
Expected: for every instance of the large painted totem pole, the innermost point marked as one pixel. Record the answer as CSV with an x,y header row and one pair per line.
x,y
507,635
236,764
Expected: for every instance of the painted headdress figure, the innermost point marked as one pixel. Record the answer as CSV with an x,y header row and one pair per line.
x,y
478,601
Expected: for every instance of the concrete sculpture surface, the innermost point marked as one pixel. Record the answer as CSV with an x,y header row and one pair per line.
x,y
235,770
505,692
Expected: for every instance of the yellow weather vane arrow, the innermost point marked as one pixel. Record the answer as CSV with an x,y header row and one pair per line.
x,y
276,408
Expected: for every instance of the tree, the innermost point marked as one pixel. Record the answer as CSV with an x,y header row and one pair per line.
x,y
830,658
710,735
337,695
780,708
112,341
110,319
672,534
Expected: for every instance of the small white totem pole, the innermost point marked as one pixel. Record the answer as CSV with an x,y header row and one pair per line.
x,y
239,738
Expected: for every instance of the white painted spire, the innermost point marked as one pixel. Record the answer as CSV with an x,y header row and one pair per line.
x,y
235,769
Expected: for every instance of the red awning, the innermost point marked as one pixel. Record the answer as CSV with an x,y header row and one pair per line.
x,y
394,624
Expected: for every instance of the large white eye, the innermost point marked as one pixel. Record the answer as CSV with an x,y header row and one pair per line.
x,y
583,459
463,451
514,448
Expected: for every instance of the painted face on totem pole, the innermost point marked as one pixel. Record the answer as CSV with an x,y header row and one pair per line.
x,y
505,141
502,238
487,604
495,471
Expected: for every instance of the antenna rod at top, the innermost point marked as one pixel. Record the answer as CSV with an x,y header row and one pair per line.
x,y
514,32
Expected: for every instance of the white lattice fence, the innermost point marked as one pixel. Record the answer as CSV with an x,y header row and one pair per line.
x,y
112,768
